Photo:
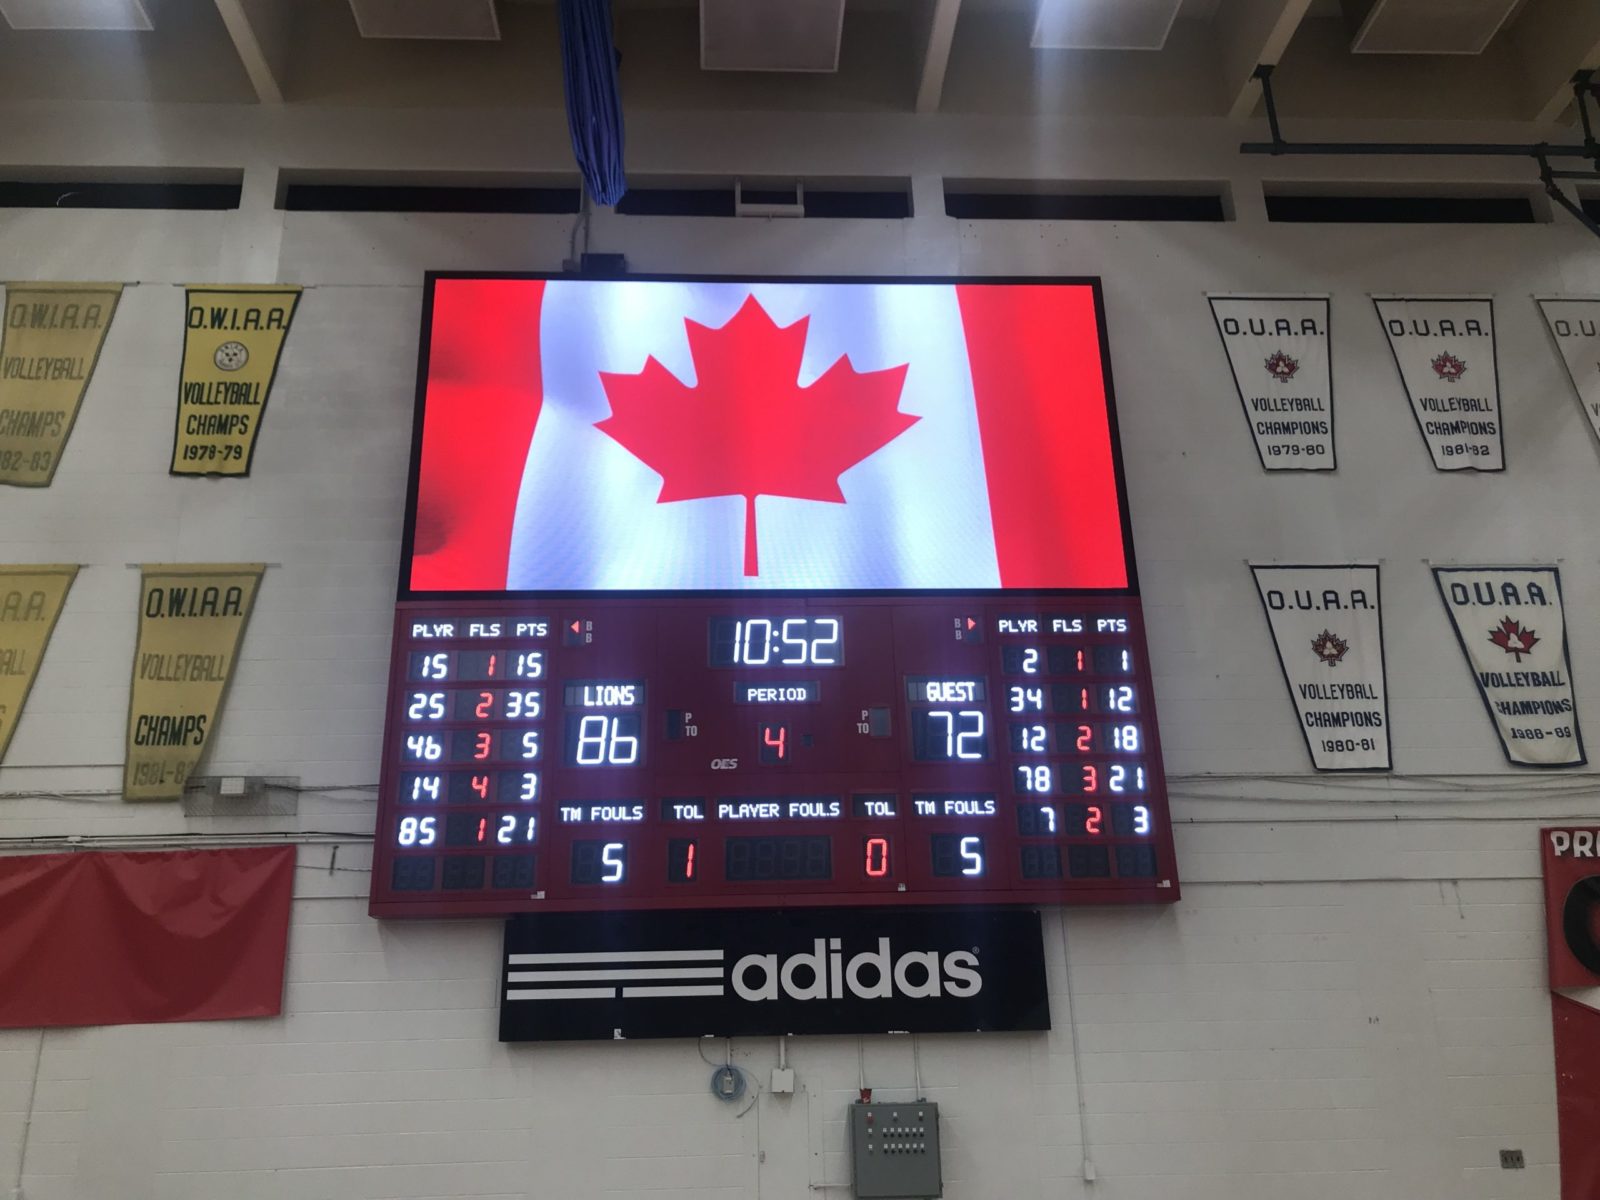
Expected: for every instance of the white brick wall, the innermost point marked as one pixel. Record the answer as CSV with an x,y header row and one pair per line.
x,y
1348,1003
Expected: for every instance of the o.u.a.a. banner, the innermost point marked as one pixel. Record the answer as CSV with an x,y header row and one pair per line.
x,y
1444,349
1328,628
192,618
1511,626
1277,349
31,599
232,339
1575,325
51,342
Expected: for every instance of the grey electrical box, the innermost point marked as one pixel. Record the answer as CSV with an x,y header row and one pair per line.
x,y
894,1150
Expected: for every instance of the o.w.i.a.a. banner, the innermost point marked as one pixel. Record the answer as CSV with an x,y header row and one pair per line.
x,y
1511,626
1574,323
1328,629
1444,349
31,599
51,341
192,619
232,339
1277,349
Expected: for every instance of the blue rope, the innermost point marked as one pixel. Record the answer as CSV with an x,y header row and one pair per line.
x,y
594,100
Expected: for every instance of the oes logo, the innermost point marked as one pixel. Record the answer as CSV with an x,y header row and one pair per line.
x,y
724,764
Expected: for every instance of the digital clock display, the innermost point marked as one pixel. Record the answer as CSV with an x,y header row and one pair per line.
x,y
644,657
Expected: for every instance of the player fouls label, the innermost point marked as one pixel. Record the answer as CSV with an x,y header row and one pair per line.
x,y
51,342
192,619
1445,352
1328,629
231,342
1511,626
1277,350
31,598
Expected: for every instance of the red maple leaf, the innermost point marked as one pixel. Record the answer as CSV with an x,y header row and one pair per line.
x,y
747,428
1513,638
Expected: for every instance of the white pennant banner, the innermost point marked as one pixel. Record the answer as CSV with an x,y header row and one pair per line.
x,y
1511,627
1328,630
1444,349
1575,325
1277,349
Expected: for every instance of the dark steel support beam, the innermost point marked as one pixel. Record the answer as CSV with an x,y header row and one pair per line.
x,y
1583,86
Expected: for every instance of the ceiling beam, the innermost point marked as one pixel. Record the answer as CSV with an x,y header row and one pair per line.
x,y
1554,40
1251,33
936,54
260,33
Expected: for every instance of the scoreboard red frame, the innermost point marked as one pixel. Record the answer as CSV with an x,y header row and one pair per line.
x,y
700,778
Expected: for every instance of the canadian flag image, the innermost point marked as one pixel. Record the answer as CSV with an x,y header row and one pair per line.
x,y
664,435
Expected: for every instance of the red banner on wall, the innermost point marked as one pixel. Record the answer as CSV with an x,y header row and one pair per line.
x,y
1572,925
121,939
1572,905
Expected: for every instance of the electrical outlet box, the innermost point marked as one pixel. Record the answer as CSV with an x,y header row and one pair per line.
x,y
782,1080
894,1151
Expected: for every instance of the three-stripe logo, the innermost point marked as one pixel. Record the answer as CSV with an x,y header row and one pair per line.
x,y
607,974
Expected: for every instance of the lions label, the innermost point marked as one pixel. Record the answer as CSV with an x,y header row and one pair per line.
x,y
231,342
1277,349
48,350
191,621
1328,629
1575,326
1510,624
1445,352
748,972
31,599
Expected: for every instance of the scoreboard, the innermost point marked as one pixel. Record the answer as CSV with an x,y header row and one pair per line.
x,y
920,681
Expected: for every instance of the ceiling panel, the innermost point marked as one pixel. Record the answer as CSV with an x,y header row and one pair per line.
x,y
1104,24
127,15
436,20
1432,26
758,35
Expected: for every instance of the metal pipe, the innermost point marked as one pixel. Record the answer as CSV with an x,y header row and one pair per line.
x,y
1424,149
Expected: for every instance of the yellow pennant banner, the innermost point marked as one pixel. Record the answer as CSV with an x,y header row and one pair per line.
x,y
231,342
52,339
191,621
31,598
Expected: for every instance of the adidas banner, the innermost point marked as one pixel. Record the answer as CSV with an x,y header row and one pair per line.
x,y
724,973
1444,349
1511,627
1575,325
1277,349
1327,626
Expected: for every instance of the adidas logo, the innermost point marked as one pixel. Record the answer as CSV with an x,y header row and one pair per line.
x,y
822,973
825,974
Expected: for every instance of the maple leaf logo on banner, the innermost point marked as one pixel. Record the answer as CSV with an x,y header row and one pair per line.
x,y
747,428
1448,367
1329,647
1281,367
1513,638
